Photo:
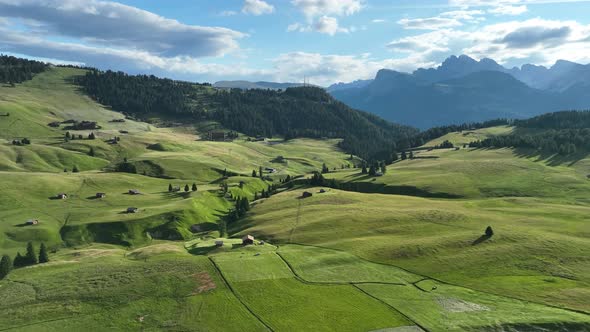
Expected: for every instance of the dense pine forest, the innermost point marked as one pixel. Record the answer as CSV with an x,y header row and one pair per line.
x,y
294,112
15,70
560,132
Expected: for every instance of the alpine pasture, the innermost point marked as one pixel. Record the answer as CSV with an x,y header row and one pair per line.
x,y
405,251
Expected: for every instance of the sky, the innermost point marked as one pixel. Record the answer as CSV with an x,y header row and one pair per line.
x,y
325,41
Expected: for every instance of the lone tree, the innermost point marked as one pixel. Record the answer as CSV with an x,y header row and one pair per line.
x,y
91,152
489,231
170,187
404,156
91,136
31,257
325,168
43,256
186,188
194,188
260,172
5,266
253,173
75,169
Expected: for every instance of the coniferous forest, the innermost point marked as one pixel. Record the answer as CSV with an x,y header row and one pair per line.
x,y
16,70
560,132
294,112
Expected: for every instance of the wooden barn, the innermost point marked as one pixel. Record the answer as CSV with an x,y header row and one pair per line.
x,y
132,210
101,195
248,239
61,196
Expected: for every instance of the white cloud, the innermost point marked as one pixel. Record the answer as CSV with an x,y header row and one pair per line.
x,y
315,8
378,20
325,69
257,7
320,15
512,43
228,13
509,10
429,23
113,24
328,25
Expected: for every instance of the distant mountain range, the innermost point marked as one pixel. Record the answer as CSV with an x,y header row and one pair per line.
x,y
255,85
462,89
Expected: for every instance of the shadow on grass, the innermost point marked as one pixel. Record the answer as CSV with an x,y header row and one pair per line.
x,y
480,239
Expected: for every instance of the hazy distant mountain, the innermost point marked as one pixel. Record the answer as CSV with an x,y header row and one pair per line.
x,y
342,86
559,77
255,85
462,89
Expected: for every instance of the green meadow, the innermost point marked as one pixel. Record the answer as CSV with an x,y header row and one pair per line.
x,y
400,252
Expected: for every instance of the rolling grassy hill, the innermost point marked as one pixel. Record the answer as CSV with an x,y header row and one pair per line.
x,y
362,260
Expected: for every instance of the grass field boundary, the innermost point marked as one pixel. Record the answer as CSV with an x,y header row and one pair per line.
x,y
226,282
390,306
448,283
303,280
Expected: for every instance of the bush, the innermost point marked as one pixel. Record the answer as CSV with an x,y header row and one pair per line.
x,y
489,231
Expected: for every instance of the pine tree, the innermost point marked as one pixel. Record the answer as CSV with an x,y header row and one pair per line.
x,y
43,256
194,188
411,155
404,157
256,196
325,168
68,135
5,266
383,168
31,256
75,169
91,136
186,188
364,170
372,170
254,173
170,189
260,171
19,260
91,152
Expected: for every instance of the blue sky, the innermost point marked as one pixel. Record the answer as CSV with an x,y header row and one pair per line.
x,y
327,41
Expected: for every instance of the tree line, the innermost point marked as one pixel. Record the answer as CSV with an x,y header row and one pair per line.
x,y
30,258
294,112
564,132
16,70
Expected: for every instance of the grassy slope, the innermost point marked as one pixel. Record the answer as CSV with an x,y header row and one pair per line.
x,y
259,280
99,289
30,175
468,136
537,252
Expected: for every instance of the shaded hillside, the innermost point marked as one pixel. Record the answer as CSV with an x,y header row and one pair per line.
x,y
295,112
476,97
462,90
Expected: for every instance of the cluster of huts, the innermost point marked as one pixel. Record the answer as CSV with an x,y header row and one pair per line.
x,y
98,196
